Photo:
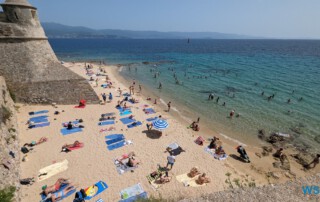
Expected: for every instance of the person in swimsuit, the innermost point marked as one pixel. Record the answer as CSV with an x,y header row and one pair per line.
x,y
67,146
54,197
132,162
202,179
193,172
53,188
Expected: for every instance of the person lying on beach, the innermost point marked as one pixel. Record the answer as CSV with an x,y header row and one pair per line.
x,y
164,178
132,162
125,156
149,98
220,151
202,179
66,147
315,162
192,125
196,127
34,143
131,116
30,124
107,118
53,188
193,172
58,196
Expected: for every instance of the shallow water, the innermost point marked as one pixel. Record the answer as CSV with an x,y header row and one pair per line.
x,y
237,71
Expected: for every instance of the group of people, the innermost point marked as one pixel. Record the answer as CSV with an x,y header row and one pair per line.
x,y
51,191
202,178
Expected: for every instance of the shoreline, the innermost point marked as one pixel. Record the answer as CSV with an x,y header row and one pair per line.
x,y
177,132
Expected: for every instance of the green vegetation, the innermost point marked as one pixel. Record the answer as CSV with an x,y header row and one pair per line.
x,y
154,199
11,130
246,182
7,194
6,114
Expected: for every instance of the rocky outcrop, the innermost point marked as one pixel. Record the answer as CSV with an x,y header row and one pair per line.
x,y
9,142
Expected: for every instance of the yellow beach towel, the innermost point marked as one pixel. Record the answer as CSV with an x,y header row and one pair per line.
x,y
53,170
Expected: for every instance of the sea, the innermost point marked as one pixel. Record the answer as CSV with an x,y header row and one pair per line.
x,y
241,74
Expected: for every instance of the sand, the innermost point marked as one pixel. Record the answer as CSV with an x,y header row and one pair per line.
x,y
94,162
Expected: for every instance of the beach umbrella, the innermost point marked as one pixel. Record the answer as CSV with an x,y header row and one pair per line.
x,y
160,124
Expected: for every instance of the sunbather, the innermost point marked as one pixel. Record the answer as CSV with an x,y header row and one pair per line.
x,y
213,143
193,172
202,179
53,188
220,152
66,147
132,162
34,143
192,124
58,196
196,127
164,178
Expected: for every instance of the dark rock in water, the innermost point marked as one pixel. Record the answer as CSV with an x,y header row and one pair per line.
x,y
274,138
262,134
296,129
145,63
317,139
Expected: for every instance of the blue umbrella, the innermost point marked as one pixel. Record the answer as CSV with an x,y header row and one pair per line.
x,y
160,124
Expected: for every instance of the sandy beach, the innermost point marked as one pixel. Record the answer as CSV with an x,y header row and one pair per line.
x,y
94,162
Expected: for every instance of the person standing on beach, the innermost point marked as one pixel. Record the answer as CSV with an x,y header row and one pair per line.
x,y
217,99
169,106
198,120
120,92
104,97
160,85
140,88
110,97
155,101
132,88
171,160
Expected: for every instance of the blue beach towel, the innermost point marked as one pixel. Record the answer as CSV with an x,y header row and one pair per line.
x,y
103,123
59,192
149,111
40,120
118,139
91,192
113,136
133,193
39,112
152,119
38,117
134,125
116,145
127,120
127,112
65,131
104,85
39,125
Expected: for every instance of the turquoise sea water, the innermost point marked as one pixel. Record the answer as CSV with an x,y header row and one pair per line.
x,y
237,71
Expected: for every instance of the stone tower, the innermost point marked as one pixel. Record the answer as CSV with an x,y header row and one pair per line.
x,y
28,63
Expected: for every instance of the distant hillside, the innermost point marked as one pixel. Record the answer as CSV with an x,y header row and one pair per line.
x,y
54,30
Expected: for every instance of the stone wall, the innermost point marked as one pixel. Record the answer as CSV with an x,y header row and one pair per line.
x,y
8,141
34,74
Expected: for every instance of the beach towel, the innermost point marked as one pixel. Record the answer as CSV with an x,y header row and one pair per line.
x,y
149,111
76,147
127,120
59,193
152,119
52,170
95,190
133,193
108,114
38,117
65,124
99,200
113,136
126,94
40,120
123,168
125,113
38,112
114,140
212,153
104,85
187,181
134,124
65,131
116,145
40,125
103,123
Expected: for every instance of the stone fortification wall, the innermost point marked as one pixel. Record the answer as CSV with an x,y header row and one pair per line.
x,y
34,75
8,142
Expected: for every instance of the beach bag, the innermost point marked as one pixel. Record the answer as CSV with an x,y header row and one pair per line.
x,y
24,150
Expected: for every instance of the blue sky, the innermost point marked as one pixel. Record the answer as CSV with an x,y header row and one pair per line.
x,y
266,18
